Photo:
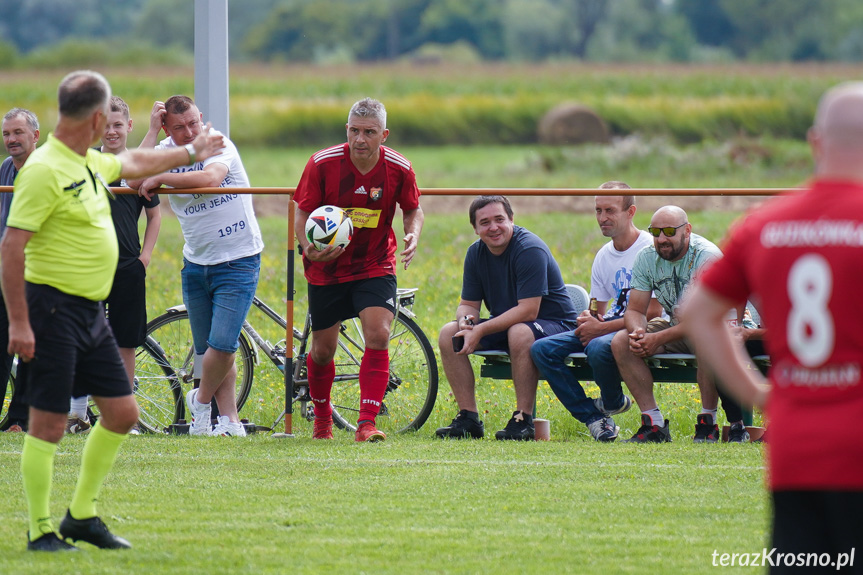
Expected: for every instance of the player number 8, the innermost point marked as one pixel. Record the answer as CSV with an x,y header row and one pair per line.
x,y
810,326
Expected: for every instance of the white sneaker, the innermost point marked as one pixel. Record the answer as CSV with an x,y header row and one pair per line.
x,y
76,424
200,412
627,403
227,428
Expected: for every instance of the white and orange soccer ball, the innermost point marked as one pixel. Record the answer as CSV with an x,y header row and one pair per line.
x,y
329,226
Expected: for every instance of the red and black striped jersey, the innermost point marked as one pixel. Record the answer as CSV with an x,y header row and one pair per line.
x,y
330,178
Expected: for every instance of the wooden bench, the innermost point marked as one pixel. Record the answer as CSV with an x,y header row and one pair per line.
x,y
665,368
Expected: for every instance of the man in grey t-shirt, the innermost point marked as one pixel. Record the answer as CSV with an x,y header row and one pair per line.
x,y
666,269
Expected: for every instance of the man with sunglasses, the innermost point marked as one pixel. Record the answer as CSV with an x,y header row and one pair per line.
x,y
610,278
666,269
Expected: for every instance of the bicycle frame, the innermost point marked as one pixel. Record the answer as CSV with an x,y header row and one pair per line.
x,y
297,378
409,396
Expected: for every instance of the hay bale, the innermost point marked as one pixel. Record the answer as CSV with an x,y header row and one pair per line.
x,y
568,124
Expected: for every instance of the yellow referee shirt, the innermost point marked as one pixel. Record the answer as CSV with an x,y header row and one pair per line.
x,y
62,197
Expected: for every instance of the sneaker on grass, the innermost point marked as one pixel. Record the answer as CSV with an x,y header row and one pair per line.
x,y
518,428
49,542
200,414
77,425
368,432
323,428
465,425
706,430
738,433
604,429
649,433
92,530
227,428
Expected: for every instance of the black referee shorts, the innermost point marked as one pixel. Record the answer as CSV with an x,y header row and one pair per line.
x,y
76,353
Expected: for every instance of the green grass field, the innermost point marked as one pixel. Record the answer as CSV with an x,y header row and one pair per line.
x,y
412,504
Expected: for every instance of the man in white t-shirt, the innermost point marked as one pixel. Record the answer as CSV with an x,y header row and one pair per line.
x,y
609,281
221,259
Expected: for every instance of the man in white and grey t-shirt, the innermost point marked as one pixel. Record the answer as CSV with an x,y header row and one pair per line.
x,y
609,282
221,258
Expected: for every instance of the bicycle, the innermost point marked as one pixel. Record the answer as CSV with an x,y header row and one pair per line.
x,y
164,370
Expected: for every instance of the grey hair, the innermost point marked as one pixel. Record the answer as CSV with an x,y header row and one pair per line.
x,y
83,92
369,108
31,118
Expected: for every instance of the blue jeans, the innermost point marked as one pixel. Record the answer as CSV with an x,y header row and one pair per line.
x,y
218,298
549,355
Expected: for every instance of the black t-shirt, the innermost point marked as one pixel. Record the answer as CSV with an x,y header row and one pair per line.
x,y
125,211
524,270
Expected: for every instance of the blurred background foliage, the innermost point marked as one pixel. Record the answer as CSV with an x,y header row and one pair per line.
x,y
46,33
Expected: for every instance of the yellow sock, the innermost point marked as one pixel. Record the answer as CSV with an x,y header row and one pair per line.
x,y
37,470
98,458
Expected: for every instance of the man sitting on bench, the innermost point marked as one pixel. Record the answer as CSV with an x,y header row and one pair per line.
x,y
513,273
609,280
666,269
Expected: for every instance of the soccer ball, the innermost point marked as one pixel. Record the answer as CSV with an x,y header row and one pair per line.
x,y
329,226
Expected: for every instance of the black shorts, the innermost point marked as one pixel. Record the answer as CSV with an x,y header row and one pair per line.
x,y
76,353
331,304
540,327
815,523
127,305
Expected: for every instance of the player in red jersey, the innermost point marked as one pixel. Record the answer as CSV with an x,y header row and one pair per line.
x,y
367,179
798,259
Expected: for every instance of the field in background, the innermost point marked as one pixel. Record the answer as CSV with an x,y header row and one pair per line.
x,y
477,104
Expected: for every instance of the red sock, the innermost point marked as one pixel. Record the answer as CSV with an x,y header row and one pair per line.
x,y
374,376
320,384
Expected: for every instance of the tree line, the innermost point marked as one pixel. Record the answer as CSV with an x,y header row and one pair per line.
x,y
343,31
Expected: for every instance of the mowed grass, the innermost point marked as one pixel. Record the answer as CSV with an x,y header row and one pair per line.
x,y
412,504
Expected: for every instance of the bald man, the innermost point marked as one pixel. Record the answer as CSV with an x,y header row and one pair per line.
x,y
666,269
58,257
798,258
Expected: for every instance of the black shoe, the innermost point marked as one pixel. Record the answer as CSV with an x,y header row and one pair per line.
x,y
93,531
49,542
519,428
649,433
462,426
706,431
738,433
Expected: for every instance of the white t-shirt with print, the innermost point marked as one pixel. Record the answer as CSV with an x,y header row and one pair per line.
x,y
217,228
611,274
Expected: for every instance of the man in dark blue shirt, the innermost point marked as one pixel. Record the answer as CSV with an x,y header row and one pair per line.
x,y
20,135
512,272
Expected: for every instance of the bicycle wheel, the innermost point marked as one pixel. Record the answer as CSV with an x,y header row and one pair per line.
x,y
172,333
157,388
412,387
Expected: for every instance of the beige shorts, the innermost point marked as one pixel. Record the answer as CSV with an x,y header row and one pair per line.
x,y
658,324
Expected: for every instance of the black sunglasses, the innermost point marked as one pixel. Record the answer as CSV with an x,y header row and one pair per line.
x,y
669,232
